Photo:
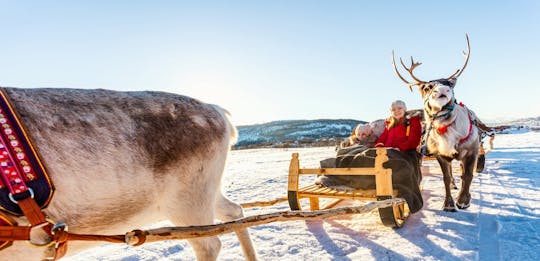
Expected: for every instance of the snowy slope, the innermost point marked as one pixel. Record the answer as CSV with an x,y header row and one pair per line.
x,y
294,133
503,222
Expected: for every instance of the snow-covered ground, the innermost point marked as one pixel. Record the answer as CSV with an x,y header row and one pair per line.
x,y
503,222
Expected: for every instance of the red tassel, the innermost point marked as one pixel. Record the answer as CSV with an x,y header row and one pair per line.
x,y
442,130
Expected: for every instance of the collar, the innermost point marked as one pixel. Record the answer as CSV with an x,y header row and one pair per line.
x,y
445,111
444,128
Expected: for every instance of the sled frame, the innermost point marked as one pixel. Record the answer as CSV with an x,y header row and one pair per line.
x,y
394,216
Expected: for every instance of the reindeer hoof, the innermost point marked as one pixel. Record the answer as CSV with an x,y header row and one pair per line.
x,y
464,201
449,205
463,205
450,209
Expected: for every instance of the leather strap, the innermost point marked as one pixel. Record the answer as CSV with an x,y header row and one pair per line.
x,y
11,233
32,211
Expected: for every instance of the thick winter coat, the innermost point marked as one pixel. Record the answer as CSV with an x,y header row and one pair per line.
x,y
397,136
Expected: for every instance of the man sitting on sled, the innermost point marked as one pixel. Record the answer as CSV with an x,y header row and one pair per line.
x,y
401,136
364,134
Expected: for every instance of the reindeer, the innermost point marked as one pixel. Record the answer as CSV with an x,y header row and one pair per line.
x,y
122,160
450,133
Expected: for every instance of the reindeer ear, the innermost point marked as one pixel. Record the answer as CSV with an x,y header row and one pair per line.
x,y
452,82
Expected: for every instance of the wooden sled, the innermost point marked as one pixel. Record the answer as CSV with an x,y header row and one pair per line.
x,y
394,216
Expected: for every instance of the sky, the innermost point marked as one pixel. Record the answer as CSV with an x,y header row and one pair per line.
x,y
279,60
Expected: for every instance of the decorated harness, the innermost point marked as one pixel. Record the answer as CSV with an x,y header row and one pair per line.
x,y
445,113
25,186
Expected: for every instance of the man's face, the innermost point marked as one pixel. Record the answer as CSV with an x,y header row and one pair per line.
x,y
363,131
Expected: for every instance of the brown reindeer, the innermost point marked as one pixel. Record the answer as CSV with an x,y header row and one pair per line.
x,y
450,132
122,160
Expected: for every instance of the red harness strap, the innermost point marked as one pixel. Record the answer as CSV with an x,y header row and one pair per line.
x,y
444,128
470,129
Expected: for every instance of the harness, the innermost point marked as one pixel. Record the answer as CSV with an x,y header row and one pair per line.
x,y
470,128
25,188
445,113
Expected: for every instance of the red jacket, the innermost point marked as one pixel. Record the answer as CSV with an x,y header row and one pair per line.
x,y
397,137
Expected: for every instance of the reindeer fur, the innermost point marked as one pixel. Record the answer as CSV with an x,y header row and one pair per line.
x,y
447,146
447,127
122,160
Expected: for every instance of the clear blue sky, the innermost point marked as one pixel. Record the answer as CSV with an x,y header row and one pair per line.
x,y
276,60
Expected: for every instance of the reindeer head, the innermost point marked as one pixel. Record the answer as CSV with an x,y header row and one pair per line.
x,y
435,92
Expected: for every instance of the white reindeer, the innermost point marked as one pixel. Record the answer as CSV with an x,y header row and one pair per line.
x,y
450,132
122,160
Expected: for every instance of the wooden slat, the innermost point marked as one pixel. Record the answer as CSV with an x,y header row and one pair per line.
x,y
333,193
383,179
314,203
319,190
293,173
332,204
338,171
327,191
341,192
309,189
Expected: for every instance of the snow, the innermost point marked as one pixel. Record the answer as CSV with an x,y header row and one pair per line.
x,y
503,222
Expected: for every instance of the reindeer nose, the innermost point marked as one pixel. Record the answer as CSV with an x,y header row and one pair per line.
x,y
443,89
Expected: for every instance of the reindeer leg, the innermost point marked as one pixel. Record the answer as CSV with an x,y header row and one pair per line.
x,y
226,210
453,182
464,196
184,214
446,167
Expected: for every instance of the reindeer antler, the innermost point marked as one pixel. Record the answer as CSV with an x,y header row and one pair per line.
x,y
467,54
410,70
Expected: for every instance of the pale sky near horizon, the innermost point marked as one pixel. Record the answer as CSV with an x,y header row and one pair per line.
x,y
279,60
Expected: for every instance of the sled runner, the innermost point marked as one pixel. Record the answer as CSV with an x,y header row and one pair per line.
x,y
393,216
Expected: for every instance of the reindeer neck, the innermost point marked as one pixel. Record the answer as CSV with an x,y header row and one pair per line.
x,y
444,113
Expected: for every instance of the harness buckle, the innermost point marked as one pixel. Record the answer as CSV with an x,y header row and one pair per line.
x,y
60,226
10,196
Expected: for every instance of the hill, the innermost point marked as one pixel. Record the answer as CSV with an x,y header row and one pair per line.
x,y
327,132
532,123
295,133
